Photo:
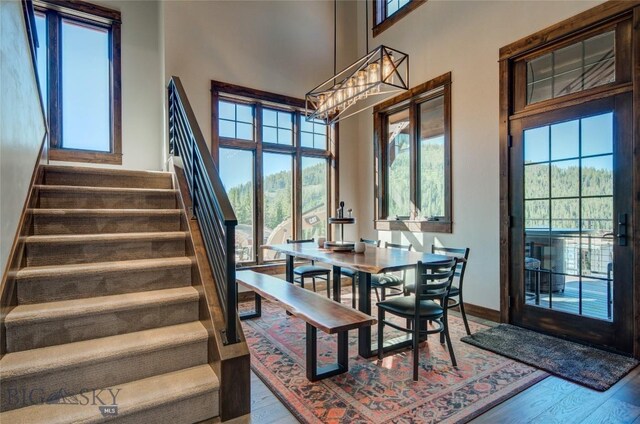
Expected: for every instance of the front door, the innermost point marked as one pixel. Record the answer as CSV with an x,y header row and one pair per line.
x,y
571,202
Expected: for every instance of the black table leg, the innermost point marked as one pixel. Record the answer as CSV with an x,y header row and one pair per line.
x,y
365,348
289,269
341,366
337,295
364,305
257,310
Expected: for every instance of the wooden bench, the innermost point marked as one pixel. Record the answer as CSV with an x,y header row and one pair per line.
x,y
317,311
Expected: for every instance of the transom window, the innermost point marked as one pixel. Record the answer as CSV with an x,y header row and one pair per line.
x,y
413,156
79,74
277,168
580,66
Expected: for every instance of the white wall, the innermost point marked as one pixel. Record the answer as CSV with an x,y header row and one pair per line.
x,y
285,47
22,125
142,85
462,37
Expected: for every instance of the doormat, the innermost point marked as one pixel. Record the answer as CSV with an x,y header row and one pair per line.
x,y
588,366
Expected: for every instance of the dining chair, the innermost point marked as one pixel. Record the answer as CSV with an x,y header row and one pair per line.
x,y
419,308
312,271
455,297
352,273
393,281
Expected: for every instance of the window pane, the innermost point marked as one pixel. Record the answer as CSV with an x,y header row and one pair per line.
x,y
565,180
597,134
236,172
227,110
86,118
41,57
579,66
235,120
597,176
432,157
314,197
278,200
564,140
398,164
536,181
536,145
313,134
277,127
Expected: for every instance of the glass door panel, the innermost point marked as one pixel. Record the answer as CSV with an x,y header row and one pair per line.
x,y
277,201
568,214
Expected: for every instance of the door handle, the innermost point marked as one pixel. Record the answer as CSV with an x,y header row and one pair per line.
x,y
622,229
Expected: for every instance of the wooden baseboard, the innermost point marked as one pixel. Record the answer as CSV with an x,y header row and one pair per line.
x,y
482,312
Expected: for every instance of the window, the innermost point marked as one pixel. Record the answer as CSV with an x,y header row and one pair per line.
x,y
80,78
413,156
579,66
388,12
277,168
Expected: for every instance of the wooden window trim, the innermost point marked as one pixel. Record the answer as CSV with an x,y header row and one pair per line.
x,y
412,99
259,98
596,16
98,16
382,23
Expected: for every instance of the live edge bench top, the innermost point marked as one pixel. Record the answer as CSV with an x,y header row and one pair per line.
x,y
323,313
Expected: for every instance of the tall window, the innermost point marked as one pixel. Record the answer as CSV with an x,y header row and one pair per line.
x,y
413,190
388,12
277,168
78,63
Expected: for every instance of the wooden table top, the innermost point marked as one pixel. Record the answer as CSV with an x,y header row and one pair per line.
x,y
375,260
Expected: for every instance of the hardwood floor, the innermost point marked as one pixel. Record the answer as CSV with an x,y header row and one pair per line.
x,y
266,408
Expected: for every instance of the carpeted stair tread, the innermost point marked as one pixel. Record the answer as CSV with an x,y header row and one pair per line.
x,y
69,355
68,309
154,399
98,189
100,267
105,238
102,212
82,176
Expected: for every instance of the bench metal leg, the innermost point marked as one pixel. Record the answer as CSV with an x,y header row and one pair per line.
x,y
257,310
313,372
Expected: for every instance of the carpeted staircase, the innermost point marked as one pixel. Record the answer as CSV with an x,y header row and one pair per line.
x,y
106,308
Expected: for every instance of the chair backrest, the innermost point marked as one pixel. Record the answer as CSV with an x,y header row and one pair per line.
x,y
397,246
434,280
458,252
290,241
375,243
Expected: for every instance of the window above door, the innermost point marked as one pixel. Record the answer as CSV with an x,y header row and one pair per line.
x,y
388,12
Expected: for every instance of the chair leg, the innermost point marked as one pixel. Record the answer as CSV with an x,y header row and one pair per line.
x,y
313,280
383,294
464,316
380,333
353,292
377,294
445,322
328,286
301,281
416,349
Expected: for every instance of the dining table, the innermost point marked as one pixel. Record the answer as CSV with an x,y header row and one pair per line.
x,y
374,260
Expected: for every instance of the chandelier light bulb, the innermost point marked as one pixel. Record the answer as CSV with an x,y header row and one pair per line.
x,y
387,68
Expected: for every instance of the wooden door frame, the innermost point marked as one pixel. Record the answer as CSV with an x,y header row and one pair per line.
x,y
582,22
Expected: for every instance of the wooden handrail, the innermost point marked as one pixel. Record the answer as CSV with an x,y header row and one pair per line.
x,y
211,206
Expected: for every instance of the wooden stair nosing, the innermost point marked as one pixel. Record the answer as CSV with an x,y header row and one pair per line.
x,y
94,189
47,271
61,212
67,309
105,237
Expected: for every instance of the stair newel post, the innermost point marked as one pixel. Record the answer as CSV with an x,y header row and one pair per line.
x,y
232,286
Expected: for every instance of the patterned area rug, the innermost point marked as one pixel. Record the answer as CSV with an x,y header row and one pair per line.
x,y
594,368
381,392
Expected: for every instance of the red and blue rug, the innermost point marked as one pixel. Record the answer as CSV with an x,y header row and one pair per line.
x,y
375,391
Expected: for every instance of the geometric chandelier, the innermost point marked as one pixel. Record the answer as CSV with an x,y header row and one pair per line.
x,y
367,82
